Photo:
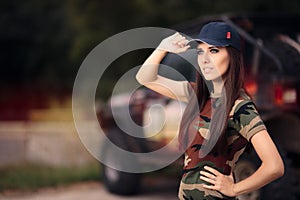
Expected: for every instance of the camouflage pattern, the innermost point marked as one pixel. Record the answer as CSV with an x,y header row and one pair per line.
x,y
243,123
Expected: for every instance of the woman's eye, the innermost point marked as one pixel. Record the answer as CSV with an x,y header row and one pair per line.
x,y
199,51
214,50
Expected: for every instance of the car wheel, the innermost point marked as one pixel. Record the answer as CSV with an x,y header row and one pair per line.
x,y
282,188
244,169
118,182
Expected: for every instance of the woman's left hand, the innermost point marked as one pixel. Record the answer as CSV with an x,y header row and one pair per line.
x,y
219,181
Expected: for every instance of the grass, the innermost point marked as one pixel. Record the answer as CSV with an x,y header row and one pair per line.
x,y
31,177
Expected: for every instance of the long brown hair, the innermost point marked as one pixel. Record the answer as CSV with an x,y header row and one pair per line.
x,y
200,94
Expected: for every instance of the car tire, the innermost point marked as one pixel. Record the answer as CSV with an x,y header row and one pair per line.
x,y
118,182
282,188
243,169
121,183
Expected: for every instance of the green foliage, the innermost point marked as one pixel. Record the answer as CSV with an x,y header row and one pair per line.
x,y
35,41
30,177
44,42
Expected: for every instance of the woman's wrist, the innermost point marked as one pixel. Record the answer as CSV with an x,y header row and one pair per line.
x,y
157,55
160,50
234,189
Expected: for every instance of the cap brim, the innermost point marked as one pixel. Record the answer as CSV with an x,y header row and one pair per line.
x,y
208,41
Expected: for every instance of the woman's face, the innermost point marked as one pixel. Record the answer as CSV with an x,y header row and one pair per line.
x,y
213,61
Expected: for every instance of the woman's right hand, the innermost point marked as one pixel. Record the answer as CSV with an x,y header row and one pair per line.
x,y
175,43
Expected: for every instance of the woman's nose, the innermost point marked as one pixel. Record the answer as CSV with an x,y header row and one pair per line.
x,y
205,58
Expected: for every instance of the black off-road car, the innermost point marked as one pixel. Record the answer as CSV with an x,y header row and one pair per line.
x,y
271,48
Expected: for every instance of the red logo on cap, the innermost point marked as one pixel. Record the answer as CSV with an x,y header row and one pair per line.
x,y
228,36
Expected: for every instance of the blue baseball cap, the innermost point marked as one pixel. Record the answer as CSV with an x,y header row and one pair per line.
x,y
219,34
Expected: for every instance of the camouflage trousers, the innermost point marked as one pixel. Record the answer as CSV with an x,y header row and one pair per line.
x,y
197,192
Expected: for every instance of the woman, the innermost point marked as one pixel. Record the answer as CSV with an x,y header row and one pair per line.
x,y
219,123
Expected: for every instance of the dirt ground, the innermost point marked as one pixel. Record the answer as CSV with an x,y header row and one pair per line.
x,y
151,189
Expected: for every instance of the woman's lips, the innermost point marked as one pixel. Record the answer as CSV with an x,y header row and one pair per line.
x,y
207,69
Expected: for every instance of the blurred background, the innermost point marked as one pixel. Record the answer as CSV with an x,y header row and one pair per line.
x,y
43,44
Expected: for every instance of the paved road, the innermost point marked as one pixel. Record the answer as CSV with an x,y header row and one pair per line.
x,y
151,189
